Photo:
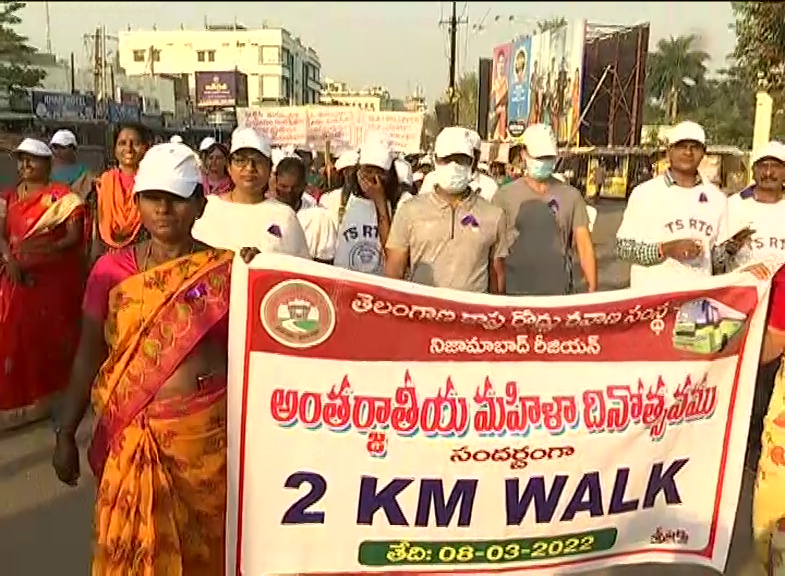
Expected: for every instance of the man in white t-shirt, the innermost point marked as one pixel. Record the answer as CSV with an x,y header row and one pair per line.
x,y
673,224
362,210
320,233
487,185
242,218
762,208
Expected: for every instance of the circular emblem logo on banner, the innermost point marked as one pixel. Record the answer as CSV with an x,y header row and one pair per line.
x,y
297,314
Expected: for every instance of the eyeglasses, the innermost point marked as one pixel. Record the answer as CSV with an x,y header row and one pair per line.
x,y
247,161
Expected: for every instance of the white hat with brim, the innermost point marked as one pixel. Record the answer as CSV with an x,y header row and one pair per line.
x,y
687,131
169,167
207,143
33,147
64,138
250,139
376,153
773,149
347,159
540,141
452,141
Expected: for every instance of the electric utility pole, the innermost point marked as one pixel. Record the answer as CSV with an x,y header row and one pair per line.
x,y
453,24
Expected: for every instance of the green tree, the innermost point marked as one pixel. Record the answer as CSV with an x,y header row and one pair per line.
x,y
727,108
466,98
760,41
15,54
675,74
551,24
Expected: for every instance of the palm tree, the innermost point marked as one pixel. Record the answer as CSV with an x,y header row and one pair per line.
x,y
673,68
551,24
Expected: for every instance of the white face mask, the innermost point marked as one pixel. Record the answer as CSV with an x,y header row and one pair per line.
x,y
453,178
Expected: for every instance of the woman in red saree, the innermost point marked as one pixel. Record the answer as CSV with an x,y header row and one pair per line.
x,y
153,356
42,276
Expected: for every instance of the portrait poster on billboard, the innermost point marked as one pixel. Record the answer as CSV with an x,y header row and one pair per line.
x,y
497,114
520,70
554,89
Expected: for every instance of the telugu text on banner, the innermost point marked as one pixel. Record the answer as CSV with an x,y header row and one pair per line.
x,y
380,426
313,125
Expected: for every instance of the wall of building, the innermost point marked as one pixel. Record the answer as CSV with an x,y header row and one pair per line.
x,y
375,98
280,68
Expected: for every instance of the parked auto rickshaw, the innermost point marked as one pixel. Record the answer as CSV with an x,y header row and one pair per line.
x,y
606,172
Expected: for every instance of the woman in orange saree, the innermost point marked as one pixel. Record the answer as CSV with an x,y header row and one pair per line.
x,y
153,355
116,213
42,276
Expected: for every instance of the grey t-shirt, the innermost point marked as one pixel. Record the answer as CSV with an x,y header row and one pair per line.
x,y
540,236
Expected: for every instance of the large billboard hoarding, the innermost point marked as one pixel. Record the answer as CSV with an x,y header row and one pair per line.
x,y
545,80
614,73
227,89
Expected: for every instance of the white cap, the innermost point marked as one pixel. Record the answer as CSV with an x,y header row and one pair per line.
x,y
475,139
684,131
63,138
483,166
251,139
453,140
277,155
404,171
176,139
426,160
376,153
348,158
539,141
169,167
207,143
417,176
34,148
773,149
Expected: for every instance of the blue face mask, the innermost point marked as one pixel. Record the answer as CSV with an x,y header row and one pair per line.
x,y
540,169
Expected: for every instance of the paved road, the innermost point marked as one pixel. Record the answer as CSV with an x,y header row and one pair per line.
x,y
45,528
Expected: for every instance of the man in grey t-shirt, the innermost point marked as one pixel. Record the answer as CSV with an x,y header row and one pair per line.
x,y
545,219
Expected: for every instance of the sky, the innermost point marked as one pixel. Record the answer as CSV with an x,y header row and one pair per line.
x,y
399,45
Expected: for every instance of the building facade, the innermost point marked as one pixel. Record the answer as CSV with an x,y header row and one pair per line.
x,y
281,69
374,98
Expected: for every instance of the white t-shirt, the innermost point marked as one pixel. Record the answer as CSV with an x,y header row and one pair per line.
x,y
269,226
320,233
659,213
358,247
768,221
486,184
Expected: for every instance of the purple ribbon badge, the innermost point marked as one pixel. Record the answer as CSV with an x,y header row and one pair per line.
x,y
198,291
553,204
275,230
470,220
703,197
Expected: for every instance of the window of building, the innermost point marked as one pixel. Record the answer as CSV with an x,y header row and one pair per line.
x,y
211,55
139,55
200,55
270,54
156,55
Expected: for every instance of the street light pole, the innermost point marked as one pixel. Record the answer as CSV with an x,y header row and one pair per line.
x,y
453,62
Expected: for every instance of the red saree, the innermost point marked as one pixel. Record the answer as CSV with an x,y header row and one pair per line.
x,y
39,320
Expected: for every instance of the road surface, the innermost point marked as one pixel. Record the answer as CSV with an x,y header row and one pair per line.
x,y
45,528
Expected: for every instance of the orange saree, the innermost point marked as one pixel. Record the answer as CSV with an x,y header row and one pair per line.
x,y
39,318
118,217
161,464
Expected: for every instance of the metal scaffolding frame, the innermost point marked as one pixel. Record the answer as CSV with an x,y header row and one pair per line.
x,y
614,72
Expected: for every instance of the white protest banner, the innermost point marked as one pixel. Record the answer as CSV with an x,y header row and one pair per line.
x,y
343,124
381,426
333,123
282,125
404,129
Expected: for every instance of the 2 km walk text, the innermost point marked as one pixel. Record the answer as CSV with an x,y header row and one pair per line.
x,y
530,498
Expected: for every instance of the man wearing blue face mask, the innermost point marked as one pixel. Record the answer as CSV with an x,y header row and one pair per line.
x,y
546,220
450,237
